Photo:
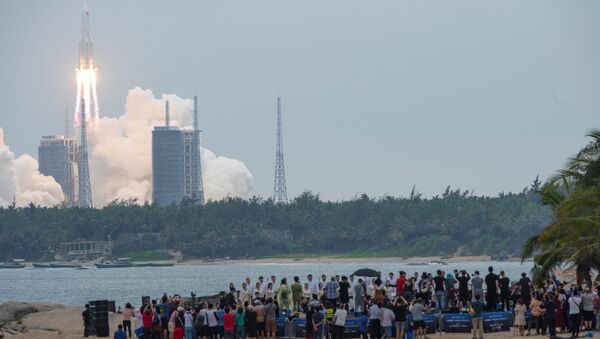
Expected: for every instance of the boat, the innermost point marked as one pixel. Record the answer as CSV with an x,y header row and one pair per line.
x,y
118,263
151,264
416,264
15,263
56,265
438,262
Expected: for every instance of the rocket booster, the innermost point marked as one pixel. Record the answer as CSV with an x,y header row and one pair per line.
x,y
86,47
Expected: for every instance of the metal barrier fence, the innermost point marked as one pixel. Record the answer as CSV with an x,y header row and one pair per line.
x,y
436,323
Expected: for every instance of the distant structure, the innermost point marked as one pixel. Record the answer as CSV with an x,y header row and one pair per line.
x,y
196,171
82,250
176,167
85,187
280,189
58,156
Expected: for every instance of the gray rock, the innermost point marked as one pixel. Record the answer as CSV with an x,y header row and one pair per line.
x,y
13,311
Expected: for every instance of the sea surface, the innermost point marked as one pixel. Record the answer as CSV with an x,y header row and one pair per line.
x,y
76,287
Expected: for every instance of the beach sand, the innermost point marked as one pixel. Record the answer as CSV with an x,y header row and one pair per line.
x,y
65,322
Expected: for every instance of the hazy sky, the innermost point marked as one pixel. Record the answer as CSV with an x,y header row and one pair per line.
x,y
377,95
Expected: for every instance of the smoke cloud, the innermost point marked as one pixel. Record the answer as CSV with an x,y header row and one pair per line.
x,y
121,152
21,180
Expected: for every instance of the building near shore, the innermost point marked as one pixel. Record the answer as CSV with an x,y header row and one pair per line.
x,y
82,250
58,156
176,169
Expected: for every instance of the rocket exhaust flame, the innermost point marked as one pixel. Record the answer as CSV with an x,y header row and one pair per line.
x,y
86,73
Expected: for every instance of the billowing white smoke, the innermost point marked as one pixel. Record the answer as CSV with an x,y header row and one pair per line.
x,y
121,152
21,180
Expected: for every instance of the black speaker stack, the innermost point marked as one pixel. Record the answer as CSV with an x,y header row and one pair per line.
x,y
99,313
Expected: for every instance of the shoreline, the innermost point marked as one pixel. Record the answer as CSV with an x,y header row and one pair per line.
x,y
340,260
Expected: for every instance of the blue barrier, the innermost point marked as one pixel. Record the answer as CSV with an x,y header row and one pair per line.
x,y
497,321
456,323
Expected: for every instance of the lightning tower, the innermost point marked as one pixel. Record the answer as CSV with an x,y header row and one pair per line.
x,y
280,190
85,189
197,184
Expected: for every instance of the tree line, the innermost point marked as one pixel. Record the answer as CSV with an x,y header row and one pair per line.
x,y
453,223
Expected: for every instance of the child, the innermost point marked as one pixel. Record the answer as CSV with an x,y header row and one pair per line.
x,y
119,333
363,320
520,309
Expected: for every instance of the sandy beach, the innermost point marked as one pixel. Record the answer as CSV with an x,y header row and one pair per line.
x,y
65,322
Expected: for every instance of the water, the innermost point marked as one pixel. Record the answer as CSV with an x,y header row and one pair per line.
x,y
77,287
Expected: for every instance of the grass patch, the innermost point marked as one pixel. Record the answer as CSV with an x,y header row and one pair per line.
x,y
149,255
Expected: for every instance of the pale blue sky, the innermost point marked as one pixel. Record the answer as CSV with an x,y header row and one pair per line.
x,y
377,95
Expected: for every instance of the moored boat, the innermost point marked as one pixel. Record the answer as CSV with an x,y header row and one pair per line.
x,y
15,263
151,264
118,263
56,265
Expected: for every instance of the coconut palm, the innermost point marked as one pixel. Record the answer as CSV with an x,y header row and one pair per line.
x,y
573,237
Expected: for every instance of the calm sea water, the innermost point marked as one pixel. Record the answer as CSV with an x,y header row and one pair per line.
x,y
77,287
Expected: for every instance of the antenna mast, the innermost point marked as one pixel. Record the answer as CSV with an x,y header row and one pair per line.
x,y
280,189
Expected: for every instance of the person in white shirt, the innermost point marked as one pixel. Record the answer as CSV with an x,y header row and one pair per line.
x,y
387,318
574,313
263,285
313,286
274,282
339,322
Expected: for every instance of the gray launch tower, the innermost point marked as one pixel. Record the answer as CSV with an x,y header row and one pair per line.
x,y
85,188
280,189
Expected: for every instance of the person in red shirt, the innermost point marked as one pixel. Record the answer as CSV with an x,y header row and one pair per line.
x,y
228,323
147,316
400,284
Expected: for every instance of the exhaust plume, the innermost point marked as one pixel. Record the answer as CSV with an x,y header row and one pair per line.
x,y
121,152
21,180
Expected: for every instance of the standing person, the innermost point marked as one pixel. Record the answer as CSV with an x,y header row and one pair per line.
x,y
240,323
450,285
228,323
374,323
259,308
318,319
313,285
297,293
417,310
520,321
491,283
344,290
587,303
550,314
409,287
270,318
119,333
331,291
386,318
476,317
574,313
476,286
400,284
220,322
251,324
306,291
339,322
597,303
363,322
400,306
525,287
188,325
87,320
147,316
359,297
379,290
463,287
270,293
213,321
127,313
504,283
178,330
536,317
285,298
440,292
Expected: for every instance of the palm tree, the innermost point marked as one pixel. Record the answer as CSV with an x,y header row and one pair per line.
x,y
573,237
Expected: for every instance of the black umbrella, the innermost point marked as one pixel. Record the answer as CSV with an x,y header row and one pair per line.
x,y
366,272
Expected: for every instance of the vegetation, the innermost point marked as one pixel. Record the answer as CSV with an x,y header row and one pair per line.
x,y
456,222
573,236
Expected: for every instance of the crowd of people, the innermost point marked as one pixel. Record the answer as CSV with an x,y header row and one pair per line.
x,y
383,306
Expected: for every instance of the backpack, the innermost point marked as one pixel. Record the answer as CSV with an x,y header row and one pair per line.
x,y
156,319
199,322
284,293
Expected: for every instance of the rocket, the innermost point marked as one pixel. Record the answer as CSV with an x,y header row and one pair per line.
x,y
86,47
